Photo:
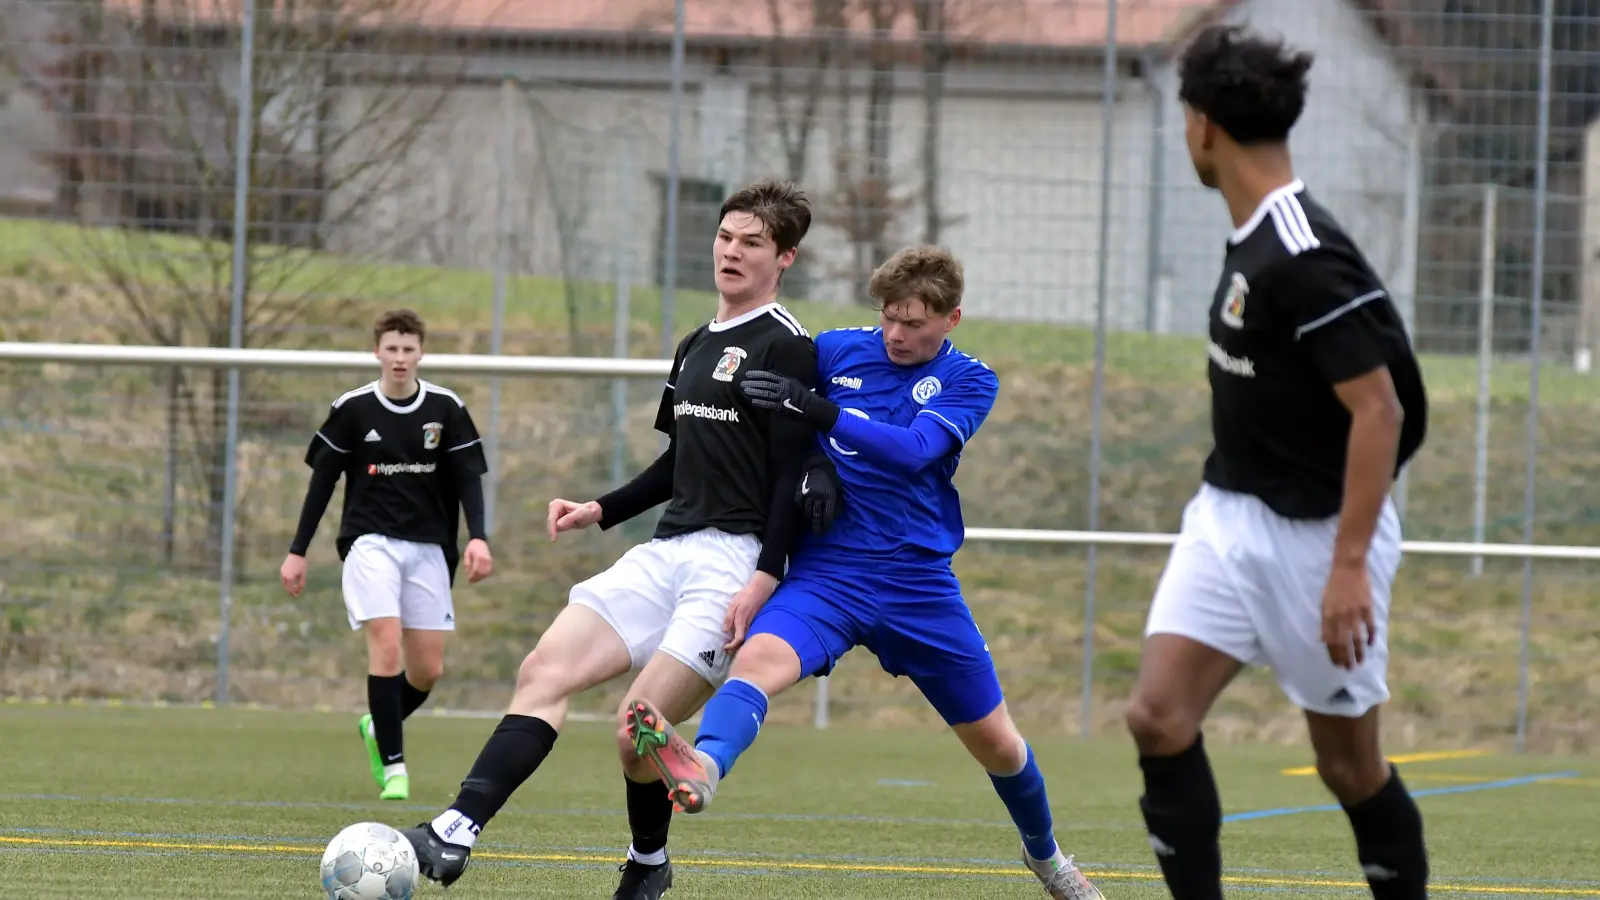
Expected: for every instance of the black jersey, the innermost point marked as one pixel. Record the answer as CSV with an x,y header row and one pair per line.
x,y
1297,310
723,472
403,462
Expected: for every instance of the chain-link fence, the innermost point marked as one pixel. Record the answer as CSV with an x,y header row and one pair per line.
x,y
505,169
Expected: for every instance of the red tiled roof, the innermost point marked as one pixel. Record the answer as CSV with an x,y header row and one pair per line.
x,y
1038,23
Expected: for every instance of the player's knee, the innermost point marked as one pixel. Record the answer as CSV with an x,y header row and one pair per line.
x,y
542,678
424,674
1001,750
1159,728
1352,777
384,656
768,662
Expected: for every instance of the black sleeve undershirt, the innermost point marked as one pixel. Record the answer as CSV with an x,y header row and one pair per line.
x,y
324,478
471,490
649,488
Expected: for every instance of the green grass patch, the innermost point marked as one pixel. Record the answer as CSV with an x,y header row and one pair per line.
x,y
213,803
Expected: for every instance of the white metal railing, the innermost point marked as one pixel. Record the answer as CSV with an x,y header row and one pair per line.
x,y
604,367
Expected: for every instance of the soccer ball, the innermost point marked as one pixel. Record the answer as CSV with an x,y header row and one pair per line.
x,y
369,861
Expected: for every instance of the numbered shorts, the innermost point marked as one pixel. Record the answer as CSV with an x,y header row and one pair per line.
x,y
672,595
910,615
386,578
1248,582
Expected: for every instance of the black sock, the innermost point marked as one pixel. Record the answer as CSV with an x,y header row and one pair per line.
x,y
412,698
517,747
1389,843
385,700
649,815
1184,816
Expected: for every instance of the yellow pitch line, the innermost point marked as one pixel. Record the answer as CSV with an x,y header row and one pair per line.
x,y
789,865
1405,758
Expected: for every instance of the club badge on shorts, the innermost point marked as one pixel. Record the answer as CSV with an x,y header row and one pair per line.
x,y
1233,303
430,435
728,364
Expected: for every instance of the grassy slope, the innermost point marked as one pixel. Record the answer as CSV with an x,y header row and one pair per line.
x,y
84,479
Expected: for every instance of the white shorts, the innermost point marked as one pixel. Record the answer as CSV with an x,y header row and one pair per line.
x,y
385,578
672,594
1248,582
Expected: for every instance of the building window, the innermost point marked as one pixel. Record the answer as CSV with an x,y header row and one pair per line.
x,y
699,201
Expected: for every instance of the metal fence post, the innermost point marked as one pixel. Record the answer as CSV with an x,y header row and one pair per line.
x,y
1486,287
1108,124
502,272
669,238
1541,185
622,313
240,278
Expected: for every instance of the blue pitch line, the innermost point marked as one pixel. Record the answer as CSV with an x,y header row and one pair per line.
x,y
1427,792
1065,823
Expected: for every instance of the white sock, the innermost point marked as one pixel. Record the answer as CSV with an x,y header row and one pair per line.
x,y
649,859
1058,861
454,828
393,769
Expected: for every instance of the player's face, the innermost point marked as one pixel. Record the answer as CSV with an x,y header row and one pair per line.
x,y
747,262
399,354
912,334
1200,135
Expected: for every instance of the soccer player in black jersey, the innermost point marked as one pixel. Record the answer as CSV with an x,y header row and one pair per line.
x,y
411,457
1288,553
674,609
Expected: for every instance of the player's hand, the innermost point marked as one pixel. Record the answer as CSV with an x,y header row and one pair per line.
x,y
744,606
480,564
771,390
564,515
1348,624
293,574
819,495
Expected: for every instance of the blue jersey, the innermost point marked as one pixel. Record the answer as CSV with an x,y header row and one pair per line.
x,y
887,512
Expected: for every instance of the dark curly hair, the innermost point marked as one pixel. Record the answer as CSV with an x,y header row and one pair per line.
x,y
1253,88
780,205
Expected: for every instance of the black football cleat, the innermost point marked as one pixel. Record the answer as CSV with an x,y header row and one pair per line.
x,y
643,882
436,860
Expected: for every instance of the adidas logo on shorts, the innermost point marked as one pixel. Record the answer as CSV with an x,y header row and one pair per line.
x,y
709,657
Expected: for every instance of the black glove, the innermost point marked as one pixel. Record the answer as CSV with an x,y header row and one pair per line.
x,y
819,494
788,396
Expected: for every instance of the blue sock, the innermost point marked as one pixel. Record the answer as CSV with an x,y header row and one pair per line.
x,y
1024,797
730,723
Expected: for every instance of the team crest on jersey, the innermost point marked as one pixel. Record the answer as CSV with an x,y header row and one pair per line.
x,y
729,363
926,389
1233,302
430,435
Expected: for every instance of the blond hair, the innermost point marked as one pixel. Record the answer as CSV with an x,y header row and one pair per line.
x,y
931,274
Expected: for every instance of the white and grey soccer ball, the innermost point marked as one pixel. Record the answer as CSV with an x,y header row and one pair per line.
x,y
369,861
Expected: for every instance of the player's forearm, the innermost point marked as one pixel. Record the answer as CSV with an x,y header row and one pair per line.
x,y
1369,475
907,449
324,478
648,489
471,491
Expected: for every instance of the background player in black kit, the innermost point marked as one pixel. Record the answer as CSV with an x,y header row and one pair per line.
x,y
675,608
410,456
1288,552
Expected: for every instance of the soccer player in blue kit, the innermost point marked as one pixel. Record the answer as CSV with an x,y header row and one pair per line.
x,y
894,407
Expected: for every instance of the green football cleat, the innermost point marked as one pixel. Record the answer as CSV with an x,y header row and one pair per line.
x,y
397,787
374,758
